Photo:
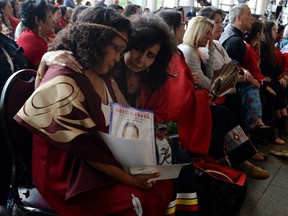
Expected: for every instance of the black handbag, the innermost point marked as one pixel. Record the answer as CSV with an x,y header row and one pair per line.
x,y
221,191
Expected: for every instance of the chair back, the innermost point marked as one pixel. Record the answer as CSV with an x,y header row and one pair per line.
x,y
17,89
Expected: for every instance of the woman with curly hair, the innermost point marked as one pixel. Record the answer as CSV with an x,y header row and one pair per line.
x,y
73,168
39,27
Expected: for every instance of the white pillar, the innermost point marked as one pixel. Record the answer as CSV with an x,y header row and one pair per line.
x,y
108,2
252,5
261,6
186,3
226,5
152,4
215,3
169,3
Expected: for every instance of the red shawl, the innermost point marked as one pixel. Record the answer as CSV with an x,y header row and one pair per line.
x,y
177,100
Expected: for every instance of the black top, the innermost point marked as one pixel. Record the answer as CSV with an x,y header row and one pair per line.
x,y
232,40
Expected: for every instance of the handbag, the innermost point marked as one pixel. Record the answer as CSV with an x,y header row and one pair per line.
x,y
221,190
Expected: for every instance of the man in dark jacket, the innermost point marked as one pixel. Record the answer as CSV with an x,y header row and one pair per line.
x,y
241,20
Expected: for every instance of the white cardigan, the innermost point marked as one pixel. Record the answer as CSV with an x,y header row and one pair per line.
x,y
192,58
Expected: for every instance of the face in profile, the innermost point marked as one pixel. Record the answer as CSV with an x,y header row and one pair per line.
x,y
113,54
130,131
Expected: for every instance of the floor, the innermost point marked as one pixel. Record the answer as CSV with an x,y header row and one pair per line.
x,y
269,197
265,197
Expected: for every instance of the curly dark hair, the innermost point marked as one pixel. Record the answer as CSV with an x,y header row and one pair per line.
x,y
88,42
30,9
148,31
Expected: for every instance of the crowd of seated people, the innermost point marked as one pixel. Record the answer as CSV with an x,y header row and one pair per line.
x,y
162,55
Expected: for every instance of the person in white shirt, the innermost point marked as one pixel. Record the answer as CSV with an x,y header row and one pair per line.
x,y
163,144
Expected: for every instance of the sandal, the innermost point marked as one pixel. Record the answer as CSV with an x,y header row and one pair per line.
x,y
282,154
260,156
279,141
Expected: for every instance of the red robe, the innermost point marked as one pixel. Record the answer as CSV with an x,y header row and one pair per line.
x,y
34,47
177,100
65,115
252,62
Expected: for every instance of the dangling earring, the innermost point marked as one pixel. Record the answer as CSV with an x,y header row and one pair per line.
x,y
39,30
147,70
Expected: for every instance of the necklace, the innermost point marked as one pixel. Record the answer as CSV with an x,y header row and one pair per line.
x,y
132,82
100,87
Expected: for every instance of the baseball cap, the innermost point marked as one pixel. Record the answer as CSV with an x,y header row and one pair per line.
x,y
162,126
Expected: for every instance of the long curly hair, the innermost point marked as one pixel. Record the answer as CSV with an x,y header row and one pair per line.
x,y
88,41
148,31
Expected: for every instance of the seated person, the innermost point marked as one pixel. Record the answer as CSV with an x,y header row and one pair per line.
x,y
73,168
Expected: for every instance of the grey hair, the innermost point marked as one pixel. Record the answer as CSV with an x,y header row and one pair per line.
x,y
236,11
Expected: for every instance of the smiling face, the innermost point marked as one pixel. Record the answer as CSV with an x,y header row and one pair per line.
x,y
113,53
138,60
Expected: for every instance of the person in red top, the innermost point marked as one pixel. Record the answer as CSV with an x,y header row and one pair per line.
x,y
252,62
9,21
65,17
39,28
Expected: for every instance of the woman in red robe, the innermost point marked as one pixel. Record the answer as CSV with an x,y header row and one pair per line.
x,y
73,168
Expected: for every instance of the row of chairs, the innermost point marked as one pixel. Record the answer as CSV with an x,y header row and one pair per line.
x,y
16,91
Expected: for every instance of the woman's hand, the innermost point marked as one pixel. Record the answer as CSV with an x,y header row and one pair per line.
x,y
197,78
139,181
62,58
267,79
142,181
283,83
270,90
255,83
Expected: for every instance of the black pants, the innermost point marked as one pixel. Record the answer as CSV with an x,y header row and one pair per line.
x,y
223,121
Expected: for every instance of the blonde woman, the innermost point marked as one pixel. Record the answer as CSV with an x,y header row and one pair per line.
x,y
199,34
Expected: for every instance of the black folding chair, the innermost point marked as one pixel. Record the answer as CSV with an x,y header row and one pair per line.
x,y
16,91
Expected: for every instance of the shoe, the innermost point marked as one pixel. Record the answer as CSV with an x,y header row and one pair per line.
x,y
258,173
260,156
279,141
281,154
